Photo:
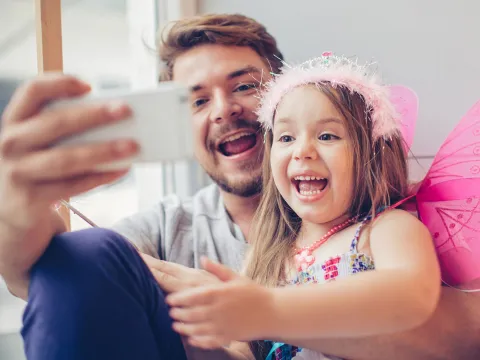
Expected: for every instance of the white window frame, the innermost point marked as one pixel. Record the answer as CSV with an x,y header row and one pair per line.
x,y
144,19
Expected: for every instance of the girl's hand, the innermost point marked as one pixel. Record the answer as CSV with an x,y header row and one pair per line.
x,y
175,277
214,315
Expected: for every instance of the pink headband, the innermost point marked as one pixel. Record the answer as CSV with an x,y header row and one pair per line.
x,y
337,71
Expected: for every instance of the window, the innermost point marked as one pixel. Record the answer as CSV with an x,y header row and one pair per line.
x,y
110,52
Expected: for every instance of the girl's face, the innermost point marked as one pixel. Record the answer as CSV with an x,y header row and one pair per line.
x,y
311,156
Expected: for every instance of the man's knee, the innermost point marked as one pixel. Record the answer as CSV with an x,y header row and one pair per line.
x,y
81,261
88,249
87,268
90,289
88,245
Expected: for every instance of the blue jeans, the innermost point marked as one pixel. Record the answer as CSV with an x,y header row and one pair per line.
x,y
92,297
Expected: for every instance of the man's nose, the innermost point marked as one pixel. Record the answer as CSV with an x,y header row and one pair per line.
x,y
225,108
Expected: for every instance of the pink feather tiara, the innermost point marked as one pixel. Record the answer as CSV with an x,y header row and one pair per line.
x,y
337,71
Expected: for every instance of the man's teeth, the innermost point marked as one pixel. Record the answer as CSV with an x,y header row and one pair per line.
x,y
302,178
236,136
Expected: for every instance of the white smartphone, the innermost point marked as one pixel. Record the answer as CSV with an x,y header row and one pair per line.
x,y
160,123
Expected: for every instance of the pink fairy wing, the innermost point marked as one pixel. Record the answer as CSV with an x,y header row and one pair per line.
x,y
448,203
405,101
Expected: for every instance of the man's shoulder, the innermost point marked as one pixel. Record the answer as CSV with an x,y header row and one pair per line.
x,y
157,228
207,201
181,211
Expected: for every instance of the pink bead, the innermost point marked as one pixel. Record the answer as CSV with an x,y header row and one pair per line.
x,y
305,251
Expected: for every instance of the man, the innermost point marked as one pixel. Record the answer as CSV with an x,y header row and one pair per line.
x,y
89,286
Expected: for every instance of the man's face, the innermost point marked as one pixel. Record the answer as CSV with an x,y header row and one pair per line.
x,y
224,83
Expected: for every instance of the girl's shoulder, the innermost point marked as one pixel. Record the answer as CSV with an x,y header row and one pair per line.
x,y
396,222
397,215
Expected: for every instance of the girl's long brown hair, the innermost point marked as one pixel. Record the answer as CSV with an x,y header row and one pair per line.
x,y
380,179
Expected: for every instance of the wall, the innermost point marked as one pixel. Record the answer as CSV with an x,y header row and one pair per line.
x,y
429,45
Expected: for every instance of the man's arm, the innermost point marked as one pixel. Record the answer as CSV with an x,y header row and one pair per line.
x,y
34,174
18,252
452,333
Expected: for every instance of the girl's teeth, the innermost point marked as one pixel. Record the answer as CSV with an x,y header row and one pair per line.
x,y
308,193
308,178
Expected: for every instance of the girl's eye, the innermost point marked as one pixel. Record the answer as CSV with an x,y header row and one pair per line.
x,y
285,138
327,137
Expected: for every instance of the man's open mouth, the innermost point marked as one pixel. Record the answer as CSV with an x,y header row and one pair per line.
x,y
309,185
238,143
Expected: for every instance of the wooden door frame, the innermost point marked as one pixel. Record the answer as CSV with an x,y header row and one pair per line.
x,y
48,23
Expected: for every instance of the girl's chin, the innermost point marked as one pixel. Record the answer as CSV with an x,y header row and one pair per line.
x,y
320,216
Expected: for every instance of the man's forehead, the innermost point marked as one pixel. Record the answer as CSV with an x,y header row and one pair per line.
x,y
211,63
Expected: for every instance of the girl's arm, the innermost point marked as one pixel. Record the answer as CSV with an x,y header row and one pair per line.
x,y
453,332
400,294
236,351
240,350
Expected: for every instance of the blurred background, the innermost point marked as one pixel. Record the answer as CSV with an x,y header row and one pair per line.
x,y
429,45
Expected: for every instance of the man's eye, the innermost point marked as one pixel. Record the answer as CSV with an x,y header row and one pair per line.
x,y
245,87
199,102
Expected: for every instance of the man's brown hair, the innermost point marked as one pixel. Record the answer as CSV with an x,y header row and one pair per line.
x,y
222,29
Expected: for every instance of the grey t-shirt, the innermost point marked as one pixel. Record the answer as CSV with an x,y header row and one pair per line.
x,y
184,231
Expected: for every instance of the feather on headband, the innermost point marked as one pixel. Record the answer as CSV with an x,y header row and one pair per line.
x,y
337,71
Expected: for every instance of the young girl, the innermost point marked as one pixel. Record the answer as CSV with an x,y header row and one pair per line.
x,y
335,162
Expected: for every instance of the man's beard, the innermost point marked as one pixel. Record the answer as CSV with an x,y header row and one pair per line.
x,y
245,188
